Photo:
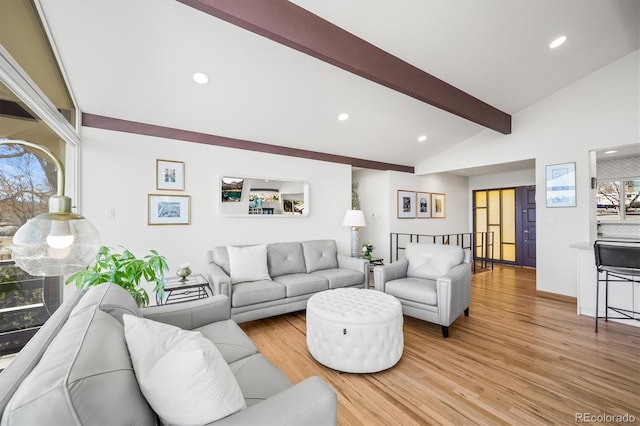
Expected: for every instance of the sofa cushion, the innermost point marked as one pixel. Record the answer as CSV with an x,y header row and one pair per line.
x,y
181,374
320,254
340,277
231,341
252,292
76,371
299,284
271,382
285,259
248,263
432,260
419,290
110,298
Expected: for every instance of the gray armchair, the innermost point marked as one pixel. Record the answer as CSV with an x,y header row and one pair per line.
x,y
433,282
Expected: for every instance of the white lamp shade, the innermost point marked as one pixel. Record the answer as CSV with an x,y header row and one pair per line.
x,y
354,218
39,248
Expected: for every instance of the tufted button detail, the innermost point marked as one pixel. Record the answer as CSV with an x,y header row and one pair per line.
x,y
355,330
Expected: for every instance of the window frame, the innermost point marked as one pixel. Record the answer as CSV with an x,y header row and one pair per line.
x,y
622,211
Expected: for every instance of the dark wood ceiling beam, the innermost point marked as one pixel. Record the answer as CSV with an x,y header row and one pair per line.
x,y
120,125
286,23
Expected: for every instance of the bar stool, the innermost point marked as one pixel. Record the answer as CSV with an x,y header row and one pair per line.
x,y
620,262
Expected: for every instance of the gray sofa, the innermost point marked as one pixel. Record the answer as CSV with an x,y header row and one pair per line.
x,y
296,271
77,369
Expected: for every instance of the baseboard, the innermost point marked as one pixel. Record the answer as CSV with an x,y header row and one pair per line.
x,y
558,297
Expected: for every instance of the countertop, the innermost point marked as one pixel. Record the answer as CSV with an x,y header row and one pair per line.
x,y
586,245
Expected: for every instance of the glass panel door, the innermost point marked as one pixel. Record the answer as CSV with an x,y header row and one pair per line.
x,y
495,212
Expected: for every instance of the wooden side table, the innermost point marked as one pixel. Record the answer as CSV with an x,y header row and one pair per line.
x,y
178,290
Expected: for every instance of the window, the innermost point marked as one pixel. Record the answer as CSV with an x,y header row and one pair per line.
x,y
27,180
618,200
31,81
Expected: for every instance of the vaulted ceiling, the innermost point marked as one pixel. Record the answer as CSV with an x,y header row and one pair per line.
x,y
272,81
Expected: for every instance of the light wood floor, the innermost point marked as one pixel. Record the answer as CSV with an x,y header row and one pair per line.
x,y
517,359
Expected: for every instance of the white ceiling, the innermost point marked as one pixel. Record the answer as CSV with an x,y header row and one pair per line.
x,y
134,60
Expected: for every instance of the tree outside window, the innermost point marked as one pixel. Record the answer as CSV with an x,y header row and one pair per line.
x,y
26,183
619,200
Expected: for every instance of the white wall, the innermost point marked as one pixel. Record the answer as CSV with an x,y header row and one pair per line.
x,y
378,199
373,187
118,172
599,111
503,180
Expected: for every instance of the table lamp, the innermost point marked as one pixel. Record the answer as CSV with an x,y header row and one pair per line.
x,y
354,219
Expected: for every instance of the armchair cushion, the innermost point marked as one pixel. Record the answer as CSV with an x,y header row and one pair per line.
x,y
418,290
431,261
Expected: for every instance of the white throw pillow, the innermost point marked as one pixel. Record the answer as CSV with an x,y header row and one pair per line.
x,y
181,374
248,263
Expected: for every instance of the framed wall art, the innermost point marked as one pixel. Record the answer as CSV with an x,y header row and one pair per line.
x,y
561,185
169,209
438,204
406,204
423,200
170,175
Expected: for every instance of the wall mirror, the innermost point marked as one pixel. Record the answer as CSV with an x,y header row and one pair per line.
x,y
257,197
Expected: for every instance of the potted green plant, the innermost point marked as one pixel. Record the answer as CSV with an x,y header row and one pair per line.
x,y
367,250
126,270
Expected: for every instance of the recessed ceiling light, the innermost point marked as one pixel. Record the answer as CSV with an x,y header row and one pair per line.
x,y
613,151
200,78
558,42
343,116
422,138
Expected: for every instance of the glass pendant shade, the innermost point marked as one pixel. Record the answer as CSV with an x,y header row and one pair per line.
x,y
54,244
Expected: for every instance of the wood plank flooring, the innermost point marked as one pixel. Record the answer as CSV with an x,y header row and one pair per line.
x,y
517,359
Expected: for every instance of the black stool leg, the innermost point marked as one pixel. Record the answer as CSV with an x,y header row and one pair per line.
x,y
597,296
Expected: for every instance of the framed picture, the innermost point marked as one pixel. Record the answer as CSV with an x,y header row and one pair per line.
x,y
424,204
406,204
438,205
169,209
170,175
561,185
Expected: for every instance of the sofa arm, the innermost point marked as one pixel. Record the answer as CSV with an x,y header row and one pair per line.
x,y
454,293
310,402
356,264
191,314
390,272
219,280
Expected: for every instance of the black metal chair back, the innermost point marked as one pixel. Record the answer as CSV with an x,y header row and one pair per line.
x,y
618,256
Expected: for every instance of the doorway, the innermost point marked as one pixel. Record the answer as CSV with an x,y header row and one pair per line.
x,y
509,215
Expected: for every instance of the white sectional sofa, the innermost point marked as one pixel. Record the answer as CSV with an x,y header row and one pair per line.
x,y
273,279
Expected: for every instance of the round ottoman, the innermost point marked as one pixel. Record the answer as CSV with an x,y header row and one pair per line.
x,y
355,330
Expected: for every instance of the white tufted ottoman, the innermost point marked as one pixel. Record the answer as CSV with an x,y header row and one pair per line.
x,y
355,330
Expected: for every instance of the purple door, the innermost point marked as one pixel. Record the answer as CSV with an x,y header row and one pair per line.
x,y
528,228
